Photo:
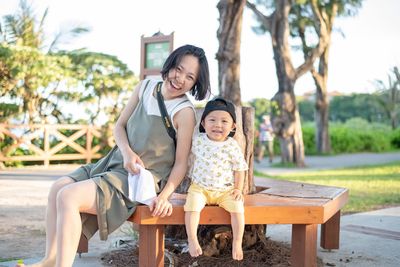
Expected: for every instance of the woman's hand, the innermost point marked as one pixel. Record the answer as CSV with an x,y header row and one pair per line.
x,y
161,207
130,161
237,194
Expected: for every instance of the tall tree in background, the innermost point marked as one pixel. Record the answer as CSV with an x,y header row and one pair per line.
x,y
28,78
286,118
304,26
106,82
228,55
29,70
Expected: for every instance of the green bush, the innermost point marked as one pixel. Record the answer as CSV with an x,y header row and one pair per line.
x,y
355,135
309,139
395,139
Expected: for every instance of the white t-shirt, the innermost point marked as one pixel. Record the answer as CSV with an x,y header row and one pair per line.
x,y
151,105
214,162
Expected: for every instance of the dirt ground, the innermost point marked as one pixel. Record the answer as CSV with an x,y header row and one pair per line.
x,y
22,212
271,254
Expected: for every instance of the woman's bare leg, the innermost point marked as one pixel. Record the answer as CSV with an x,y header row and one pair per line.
x,y
51,223
192,219
71,201
237,221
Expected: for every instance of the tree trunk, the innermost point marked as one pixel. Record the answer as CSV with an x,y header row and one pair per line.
x,y
323,141
285,116
228,55
287,126
286,119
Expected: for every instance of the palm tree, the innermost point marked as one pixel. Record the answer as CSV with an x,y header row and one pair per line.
x,y
389,96
23,41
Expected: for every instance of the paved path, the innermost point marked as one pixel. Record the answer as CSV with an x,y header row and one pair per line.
x,y
330,162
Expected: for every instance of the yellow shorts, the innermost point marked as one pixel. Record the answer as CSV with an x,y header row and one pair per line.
x,y
198,197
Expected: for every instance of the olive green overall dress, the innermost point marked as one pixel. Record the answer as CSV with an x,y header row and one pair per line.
x,y
149,139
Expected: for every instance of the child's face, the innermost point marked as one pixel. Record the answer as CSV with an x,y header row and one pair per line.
x,y
218,124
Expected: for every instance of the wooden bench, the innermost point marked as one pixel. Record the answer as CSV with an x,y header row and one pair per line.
x,y
304,206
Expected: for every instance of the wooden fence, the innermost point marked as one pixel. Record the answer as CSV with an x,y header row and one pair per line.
x,y
46,142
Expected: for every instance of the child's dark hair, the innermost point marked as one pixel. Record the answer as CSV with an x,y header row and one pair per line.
x,y
202,86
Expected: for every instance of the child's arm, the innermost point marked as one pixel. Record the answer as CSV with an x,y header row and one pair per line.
x,y
239,181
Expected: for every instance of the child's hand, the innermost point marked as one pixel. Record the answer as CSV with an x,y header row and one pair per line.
x,y
237,194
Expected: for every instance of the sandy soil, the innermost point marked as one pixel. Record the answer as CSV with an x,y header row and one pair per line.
x,y
22,212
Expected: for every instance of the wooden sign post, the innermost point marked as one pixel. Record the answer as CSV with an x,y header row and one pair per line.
x,y
154,52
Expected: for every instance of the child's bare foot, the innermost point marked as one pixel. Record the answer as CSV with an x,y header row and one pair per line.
x,y
237,251
194,248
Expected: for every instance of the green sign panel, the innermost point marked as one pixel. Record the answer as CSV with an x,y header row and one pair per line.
x,y
156,54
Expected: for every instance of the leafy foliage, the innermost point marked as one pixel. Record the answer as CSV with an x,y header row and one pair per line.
x,y
262,106
28,76
388,96
106,81
43,82
395,138
345,107
355,135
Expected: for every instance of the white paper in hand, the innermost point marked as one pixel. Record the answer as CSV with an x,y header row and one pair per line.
x,y
141,186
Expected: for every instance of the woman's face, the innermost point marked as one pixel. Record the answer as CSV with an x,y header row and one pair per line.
x,y
182,78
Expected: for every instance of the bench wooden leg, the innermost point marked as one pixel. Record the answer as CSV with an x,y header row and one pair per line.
x,y
83,246
151,245
304,245
330,232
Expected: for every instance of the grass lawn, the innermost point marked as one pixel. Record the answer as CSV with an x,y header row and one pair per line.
x,y
370,187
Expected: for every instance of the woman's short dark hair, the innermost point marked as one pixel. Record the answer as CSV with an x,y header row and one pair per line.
x,y
202,86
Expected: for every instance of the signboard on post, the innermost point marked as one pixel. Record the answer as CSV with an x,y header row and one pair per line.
x,y
154,52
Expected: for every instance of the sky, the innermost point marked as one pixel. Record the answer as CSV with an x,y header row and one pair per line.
x,y
366,50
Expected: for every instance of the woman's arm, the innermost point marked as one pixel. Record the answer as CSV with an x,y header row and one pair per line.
x,y
184,122
120,135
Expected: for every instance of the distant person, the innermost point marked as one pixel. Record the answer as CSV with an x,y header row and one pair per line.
x,y
217,174
96,196
266,139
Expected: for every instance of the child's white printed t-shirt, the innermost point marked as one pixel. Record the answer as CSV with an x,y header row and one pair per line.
x,y
214,162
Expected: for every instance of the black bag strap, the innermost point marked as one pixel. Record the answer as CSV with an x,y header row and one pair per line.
x,y
164,114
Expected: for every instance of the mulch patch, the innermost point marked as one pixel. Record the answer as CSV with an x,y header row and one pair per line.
x,y
272,253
